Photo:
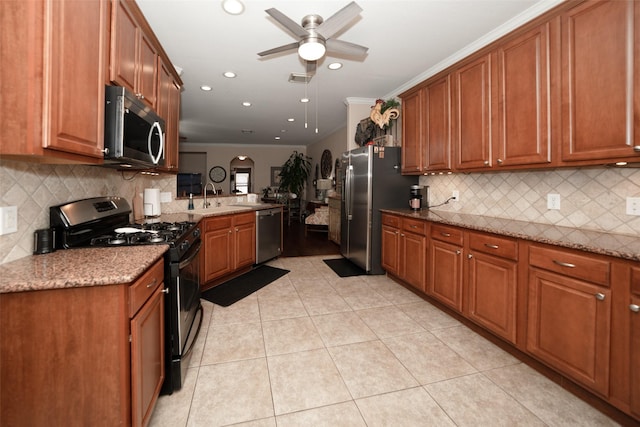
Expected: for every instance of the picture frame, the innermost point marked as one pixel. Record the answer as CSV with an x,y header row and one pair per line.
x,y
275,175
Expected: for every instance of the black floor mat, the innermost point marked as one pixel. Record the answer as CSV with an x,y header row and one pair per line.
x,y
344,268
235,289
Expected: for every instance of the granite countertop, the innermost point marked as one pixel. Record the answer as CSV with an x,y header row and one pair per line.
x,y
617,245
224,210
79,267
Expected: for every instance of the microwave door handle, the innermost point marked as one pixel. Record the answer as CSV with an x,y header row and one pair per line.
x,y
156,158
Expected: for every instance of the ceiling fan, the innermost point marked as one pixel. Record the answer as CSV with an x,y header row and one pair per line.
x,y
316,34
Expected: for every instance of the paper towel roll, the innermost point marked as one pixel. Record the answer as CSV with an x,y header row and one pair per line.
x,y
152,202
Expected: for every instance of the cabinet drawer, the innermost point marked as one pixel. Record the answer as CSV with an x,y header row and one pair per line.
x,y
143,288
217,223
244,218
415,226
569,263
390,220
494,245
446,234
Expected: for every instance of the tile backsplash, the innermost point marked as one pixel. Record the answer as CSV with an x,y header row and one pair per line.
x,y
590,198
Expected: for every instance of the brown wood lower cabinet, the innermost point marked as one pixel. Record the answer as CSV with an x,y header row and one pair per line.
x,y
569,316
445,266
492,275
229,244
404,246
84,356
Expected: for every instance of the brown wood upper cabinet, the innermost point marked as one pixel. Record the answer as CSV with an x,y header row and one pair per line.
x,y
600,75
412,153
134,58
54,57
169,109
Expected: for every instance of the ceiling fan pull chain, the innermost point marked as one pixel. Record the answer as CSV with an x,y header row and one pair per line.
x,y
306,85
317,101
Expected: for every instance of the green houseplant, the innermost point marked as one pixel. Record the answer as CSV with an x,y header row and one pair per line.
x,y
294,174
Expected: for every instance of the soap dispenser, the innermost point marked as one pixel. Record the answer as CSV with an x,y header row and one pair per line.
x,y
190,207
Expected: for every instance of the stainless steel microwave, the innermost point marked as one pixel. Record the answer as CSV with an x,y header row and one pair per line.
x,y
133,132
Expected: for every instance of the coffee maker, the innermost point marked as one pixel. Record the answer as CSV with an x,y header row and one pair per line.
x,y
417,194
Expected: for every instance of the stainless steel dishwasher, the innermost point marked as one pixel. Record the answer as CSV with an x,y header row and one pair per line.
x,y
268,234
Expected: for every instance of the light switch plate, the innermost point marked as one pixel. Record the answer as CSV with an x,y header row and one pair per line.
x,y
553,201
633,205
165,197
8,219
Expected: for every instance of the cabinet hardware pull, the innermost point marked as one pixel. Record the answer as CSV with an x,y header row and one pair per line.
x,y
564,264
458,252
152,284
105,151
445,234
600,296
491,246
413,226
469,256
402,234
636,148
486,162
499,161
230,231
634,307
165,291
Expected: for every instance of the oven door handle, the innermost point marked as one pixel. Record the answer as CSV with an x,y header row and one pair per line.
x,y
186,262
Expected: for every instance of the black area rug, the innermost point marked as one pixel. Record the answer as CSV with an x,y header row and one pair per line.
x,y
344,268
235,289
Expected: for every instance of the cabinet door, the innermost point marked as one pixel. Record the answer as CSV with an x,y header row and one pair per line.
x,y
437,124
245,245
492,294
524,99
76,73
412,259
169,108
445,273
569,327
390,250
634,308
124,47
600,73
147,71
147,358
218,254
472,111
412,151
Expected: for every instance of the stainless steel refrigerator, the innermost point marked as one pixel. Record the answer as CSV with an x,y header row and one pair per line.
x,y
371,181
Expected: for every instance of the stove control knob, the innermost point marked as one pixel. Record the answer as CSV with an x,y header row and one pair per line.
x,y
184,245
196,233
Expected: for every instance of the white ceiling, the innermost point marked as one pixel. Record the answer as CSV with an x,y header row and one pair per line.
x,y
407,39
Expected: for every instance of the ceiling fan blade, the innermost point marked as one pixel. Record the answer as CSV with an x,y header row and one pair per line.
x,y
284,48
345,48
287,22
338,20
311,67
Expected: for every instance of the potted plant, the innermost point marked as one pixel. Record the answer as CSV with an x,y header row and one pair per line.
x,y
294,174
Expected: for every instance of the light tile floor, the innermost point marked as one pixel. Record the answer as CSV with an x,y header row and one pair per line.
x,y
314,349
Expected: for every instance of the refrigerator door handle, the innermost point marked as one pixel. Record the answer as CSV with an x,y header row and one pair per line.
x,y
348,193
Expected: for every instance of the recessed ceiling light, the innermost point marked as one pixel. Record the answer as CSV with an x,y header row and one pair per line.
x,y
242,157
233,7
205,88
335,66
246,104
283,130
277,137
303,100
291,119
229,74
247,131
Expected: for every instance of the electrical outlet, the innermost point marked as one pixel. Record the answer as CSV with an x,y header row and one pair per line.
x,y
165,197
553,201
456,195
8,219
633,206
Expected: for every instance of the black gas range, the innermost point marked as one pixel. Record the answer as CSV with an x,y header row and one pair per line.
x,y
105,222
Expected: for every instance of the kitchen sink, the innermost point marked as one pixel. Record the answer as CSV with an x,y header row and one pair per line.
x,y
217,210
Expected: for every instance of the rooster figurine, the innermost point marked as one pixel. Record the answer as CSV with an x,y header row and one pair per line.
x,y
382,118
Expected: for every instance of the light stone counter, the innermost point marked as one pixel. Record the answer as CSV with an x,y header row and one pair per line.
x,y
79,267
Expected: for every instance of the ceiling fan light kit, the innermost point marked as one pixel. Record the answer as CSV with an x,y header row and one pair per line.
x,y
312,48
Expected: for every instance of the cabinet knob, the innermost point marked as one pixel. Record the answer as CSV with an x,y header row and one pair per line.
x,y
499,161
165,291
469,256
230,231
402,234
458,252
105,151
636,148
486,162
634,307
600,296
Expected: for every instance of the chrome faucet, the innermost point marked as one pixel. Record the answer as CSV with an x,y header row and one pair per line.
x,y
206,204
